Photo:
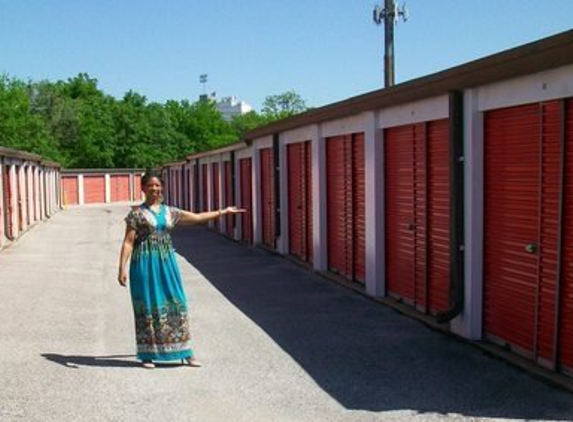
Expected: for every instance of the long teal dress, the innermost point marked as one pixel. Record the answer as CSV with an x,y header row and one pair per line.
x,y
159,302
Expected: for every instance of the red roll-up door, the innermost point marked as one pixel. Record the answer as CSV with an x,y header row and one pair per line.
x,y
565,319
119,188
186,204
70,188
345,206
267,197
522,187
417,214
8,193
228,195
400,215
438,215
358,232
94,189
205,189
137,192
245,168
336,204
216,191
19,196
300,200
35,195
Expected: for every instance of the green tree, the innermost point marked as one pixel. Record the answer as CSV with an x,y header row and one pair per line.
x,y
283,105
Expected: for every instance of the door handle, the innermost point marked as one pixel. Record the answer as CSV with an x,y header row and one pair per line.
x,y
411,226
531,248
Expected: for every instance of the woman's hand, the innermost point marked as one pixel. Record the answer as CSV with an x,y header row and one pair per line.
x,y
122,278
233,210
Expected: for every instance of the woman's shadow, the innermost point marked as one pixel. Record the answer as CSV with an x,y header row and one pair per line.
x,y
77,361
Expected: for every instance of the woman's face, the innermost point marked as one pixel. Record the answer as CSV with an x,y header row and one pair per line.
x,y
153,188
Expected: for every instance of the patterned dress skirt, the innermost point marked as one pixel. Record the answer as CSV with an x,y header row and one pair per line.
x,y
159,302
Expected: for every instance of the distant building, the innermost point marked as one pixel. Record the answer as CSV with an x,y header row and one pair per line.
x,y
231,107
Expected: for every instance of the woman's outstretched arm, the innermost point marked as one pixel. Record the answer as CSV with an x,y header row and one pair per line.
x,y
126,249
190,218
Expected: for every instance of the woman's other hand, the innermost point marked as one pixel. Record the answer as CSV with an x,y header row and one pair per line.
x,y
122,278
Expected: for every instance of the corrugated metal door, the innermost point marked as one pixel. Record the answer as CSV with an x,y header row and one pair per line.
x,y
300,200
399,197
358,226
185,187
522,188
216,191
94,189
137,193
267,197
8,192
417,214
565,323
119,185
245,168
438,215
336,204
345,206
205,188
229,222
70,188
19,194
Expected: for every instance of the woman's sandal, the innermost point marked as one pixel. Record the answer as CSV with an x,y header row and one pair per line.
x,y
147,364
191,362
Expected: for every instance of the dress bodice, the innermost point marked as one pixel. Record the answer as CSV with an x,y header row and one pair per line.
x,y
152,228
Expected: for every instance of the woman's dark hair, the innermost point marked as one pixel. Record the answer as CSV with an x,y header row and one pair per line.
x,y
150,174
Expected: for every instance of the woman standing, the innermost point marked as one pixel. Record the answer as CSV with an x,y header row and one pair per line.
x,y
158,298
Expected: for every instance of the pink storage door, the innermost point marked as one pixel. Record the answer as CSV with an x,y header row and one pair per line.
x,y
119,186
70,190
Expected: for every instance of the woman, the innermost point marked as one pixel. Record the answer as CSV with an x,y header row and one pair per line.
x,y
159,303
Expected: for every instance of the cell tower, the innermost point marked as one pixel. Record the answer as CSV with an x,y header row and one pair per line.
x,y
389,15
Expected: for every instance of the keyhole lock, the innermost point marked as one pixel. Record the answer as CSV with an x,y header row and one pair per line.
x,y
531,248
411,226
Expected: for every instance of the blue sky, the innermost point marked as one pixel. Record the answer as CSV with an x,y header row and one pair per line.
x,y
326,50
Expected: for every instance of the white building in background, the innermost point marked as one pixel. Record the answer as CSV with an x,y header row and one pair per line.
x,y
231,107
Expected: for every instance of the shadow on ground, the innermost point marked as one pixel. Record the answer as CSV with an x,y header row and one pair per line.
x,y
363,354
76,361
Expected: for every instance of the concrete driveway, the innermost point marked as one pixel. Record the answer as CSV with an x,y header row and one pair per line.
x,y
277,342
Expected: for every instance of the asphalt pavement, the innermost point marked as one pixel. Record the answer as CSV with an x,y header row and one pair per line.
x,y
277,342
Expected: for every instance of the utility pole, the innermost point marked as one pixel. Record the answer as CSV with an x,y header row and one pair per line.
x,y
389,15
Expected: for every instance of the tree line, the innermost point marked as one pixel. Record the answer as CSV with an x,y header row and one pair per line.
x,y
76,124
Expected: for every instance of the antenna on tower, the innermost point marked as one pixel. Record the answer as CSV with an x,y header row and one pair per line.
x,y
389,15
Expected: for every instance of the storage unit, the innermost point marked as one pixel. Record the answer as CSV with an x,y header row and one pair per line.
x,y
205,188
299,159
119,187
417,202
94,189
528,249
228,196
9,209
268,206
70,190
216,192
346,206
137,192
245,169
22,196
